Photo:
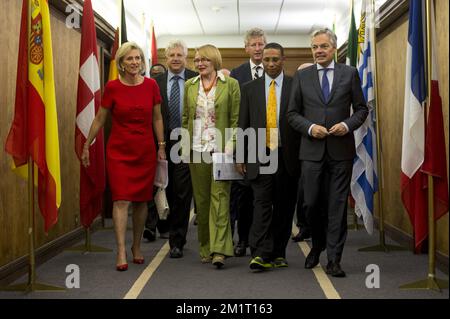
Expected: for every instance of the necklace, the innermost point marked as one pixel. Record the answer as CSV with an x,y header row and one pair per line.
x,y
208,88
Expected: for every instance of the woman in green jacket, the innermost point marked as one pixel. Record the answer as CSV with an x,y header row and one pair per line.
x,y
210,113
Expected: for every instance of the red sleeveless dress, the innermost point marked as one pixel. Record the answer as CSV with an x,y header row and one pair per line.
x,y
131,151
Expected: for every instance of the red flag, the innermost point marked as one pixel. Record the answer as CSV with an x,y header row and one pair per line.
x,y
34,132
435,163
154,48
16,142
92,178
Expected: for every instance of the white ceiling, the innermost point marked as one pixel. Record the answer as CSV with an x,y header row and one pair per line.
x,y
227,20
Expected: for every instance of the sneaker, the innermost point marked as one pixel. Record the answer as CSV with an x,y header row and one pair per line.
x,y
258,263
280,262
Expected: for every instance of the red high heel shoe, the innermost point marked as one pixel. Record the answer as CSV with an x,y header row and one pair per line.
x,y
138,261
123,267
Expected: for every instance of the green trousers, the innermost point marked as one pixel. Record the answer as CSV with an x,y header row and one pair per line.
x,y
212,200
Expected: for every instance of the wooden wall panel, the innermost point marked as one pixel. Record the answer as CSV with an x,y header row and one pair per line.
x,y
233,57
13,191
391,49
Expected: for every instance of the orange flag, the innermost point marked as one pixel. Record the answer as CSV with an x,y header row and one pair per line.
x,y
113,74
154,47
34,131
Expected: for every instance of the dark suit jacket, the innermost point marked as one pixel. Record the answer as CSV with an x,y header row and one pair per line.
x,y
161,79
252,114
307,107
242,73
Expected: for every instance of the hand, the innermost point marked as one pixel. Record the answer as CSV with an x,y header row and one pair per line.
x,y
161,153
241,169
85,157
338,130
319,132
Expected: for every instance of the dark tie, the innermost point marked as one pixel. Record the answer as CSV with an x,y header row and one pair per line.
x,y
256,76
174,104
325,85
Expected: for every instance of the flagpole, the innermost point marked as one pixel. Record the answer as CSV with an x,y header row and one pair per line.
x,y
382,246
431,283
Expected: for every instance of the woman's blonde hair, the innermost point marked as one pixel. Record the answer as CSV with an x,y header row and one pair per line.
x,y
123,51
212,53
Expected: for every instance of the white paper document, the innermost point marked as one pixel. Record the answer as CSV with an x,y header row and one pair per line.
x,y
162,174
224,168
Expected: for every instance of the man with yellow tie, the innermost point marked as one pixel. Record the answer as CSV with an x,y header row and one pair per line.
x,y
263,109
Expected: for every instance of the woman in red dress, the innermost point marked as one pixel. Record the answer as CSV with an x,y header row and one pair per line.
x,y
134,104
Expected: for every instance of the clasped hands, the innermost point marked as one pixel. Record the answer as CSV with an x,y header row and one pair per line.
x,y
320,132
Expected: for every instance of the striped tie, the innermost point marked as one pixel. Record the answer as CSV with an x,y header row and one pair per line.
x,y
271,118
174,104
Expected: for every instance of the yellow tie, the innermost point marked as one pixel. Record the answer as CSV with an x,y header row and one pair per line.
x,y
271,118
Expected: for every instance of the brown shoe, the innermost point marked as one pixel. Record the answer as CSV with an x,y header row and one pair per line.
x,y
206,260
218,260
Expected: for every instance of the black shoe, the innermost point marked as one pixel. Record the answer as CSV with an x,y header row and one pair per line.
x,y
313,259
334,269
301,236
195,221
149,234
240,249
176,252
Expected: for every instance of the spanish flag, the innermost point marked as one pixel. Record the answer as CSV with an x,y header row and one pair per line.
x,y
34,131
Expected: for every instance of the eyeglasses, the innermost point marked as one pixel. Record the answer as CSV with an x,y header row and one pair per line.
x,y
322,46
203,60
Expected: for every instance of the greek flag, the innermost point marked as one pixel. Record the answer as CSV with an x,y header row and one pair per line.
x,y
364,181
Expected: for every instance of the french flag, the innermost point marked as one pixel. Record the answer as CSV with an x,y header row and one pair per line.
x,y
423,148
413,180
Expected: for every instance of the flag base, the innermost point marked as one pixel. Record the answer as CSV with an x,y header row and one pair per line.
x,y
88,247
431,283
32,287
386,248
355,227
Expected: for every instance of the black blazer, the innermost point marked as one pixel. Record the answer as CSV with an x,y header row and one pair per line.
x,y
252,114
242,73
161,79
307,107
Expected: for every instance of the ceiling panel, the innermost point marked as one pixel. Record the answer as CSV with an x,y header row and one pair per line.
x,y
218,17
259,13
175,18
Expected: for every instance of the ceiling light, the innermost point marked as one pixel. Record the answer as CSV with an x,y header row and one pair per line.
x,y
216,9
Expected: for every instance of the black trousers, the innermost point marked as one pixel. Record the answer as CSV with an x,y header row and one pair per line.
x,y
241,209
302,221
275,197
179,196
327,180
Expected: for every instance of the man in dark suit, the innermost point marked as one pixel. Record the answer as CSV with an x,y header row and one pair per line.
x,y
319,108
179,190
241,200
264,105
